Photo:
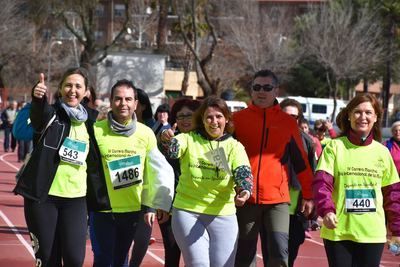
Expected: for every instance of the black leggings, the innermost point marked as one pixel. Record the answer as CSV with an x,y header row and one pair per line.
x,y
353,254
58,230
172,251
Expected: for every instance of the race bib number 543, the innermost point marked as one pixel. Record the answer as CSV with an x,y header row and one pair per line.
x,y
125,172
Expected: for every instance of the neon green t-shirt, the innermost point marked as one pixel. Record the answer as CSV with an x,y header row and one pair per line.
x,y
203,187
123,159
359,174
70,179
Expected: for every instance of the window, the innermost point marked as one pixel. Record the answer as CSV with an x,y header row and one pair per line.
x,y
119,10
98,35
304,108
319,109
99,10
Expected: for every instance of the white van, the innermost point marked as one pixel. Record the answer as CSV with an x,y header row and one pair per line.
x,y
236,105
317,108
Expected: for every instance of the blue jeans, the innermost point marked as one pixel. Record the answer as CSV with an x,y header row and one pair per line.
x,y
7,136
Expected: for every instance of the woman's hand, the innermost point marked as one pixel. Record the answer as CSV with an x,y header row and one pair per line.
x,y
40,89
162,216
241,198
330,220
168,134
149,218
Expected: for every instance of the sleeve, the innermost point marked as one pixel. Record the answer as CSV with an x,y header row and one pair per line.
x,y
299,160
158,182
241,169
177,147
391,204
332,133
322,193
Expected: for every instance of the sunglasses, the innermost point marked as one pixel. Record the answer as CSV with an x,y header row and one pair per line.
x,y
181,117
265,87
320,129
294,116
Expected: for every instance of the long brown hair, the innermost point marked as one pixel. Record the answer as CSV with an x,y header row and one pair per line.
x,y
343,118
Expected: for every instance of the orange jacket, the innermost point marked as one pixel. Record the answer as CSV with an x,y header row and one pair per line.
x,y
272,138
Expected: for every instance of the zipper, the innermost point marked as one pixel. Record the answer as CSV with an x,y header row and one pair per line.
x,y
260,155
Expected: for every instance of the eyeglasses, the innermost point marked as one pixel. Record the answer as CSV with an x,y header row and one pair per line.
x,y
182,117
294,116
265,87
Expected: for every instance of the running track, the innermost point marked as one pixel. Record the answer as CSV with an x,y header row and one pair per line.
x,y
15,247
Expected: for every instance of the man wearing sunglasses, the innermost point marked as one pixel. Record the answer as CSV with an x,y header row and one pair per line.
x,y
272,140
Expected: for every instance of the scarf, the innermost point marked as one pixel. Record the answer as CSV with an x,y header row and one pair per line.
x,y
126,130
76,114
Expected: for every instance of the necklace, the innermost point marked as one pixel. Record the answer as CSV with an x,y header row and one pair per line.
x,y
215,157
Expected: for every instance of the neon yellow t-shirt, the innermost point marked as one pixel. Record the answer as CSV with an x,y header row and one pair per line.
x,y
203,187
70,179
123,159
359,174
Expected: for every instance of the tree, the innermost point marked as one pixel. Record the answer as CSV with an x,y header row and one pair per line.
x,y
197,30
16,46
85,27
142,19
389,11
346,43
162,24
264,36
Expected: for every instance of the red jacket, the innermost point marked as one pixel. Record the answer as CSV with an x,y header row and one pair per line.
x,y
272,138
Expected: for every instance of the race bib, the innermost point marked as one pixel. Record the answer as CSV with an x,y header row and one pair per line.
x,y
73,151
218,158
125,172
360,200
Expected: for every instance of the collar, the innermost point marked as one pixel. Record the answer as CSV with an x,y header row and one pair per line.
x,y
272,108
205,136
356,138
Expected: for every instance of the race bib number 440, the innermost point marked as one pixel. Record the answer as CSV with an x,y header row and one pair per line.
x,y
360,200
125,172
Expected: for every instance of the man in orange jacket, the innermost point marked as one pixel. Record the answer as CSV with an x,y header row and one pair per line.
x,y
272,139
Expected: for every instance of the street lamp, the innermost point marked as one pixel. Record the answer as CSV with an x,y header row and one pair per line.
x,y
49,69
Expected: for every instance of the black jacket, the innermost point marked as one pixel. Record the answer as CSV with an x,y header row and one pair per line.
x,y
35,181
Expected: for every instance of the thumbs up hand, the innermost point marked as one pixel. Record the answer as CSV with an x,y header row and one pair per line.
x,y
168,134
40,89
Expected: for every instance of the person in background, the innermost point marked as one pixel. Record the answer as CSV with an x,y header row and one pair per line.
x,y
305,127
143,110
182,115
62,179
161,116
7,118
298,222
24,146
320,129
356,188
272,139
137,176
215,175
142,237
393,144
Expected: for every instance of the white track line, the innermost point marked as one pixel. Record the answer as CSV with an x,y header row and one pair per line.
x,y
154,256
17,233
8,163
160,260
